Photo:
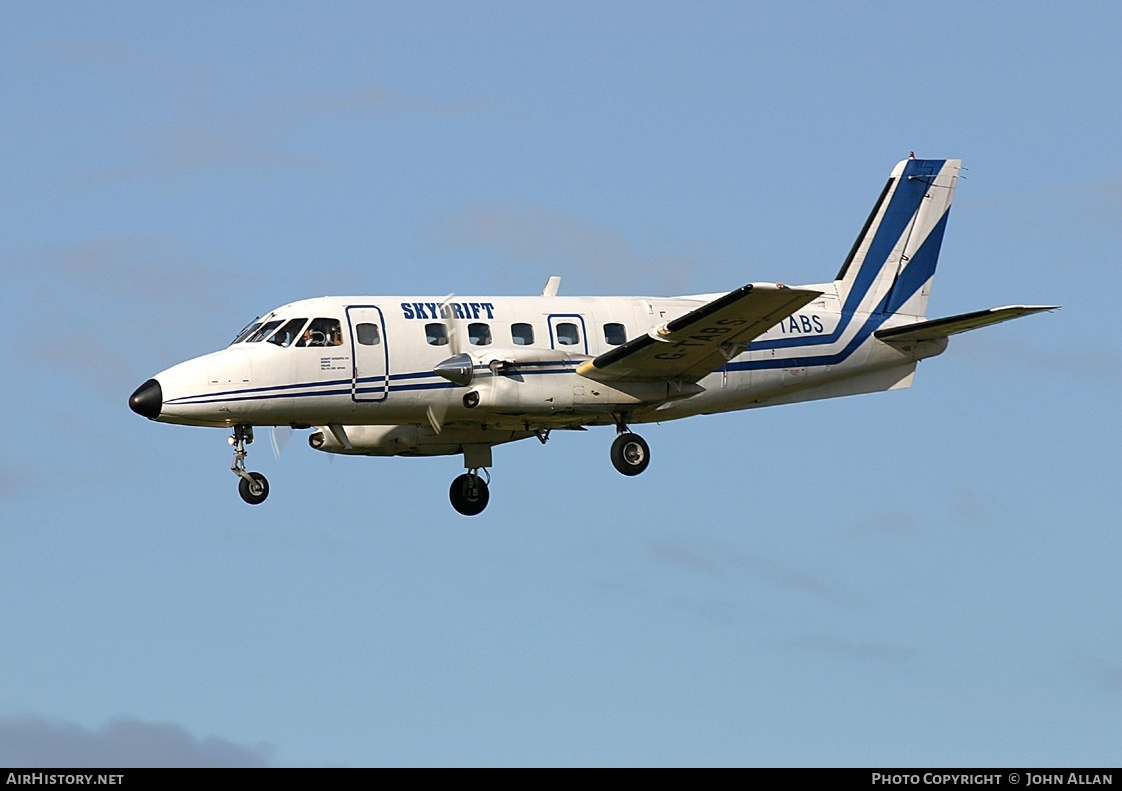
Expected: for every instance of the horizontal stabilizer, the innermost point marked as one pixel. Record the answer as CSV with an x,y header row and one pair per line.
x,y
964,322
701,341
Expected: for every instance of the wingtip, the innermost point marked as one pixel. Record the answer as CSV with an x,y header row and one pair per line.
x,y
793,290
1028,309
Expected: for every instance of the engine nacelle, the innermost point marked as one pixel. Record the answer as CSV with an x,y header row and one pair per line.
x,y
367,440
406,440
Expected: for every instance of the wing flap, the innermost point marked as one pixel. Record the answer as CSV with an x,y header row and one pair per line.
x,y
701,341
963,322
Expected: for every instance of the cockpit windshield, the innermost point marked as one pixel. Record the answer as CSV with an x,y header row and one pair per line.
x,y
247,330
287,335
297,332
263,331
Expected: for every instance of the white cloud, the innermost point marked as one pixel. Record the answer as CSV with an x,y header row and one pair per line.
x,y
1101,365
125,743
377,98
599,255
206,131
863,651
888,522
117,294
12,482
728,561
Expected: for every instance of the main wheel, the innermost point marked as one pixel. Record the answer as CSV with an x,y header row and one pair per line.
x,y
630,454
256,492
469,494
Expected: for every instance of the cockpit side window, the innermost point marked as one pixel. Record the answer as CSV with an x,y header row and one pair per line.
x,y
264,331
287,335
322,332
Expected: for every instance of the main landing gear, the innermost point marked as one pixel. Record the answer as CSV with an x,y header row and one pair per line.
x,y
469,493
630,453
252,486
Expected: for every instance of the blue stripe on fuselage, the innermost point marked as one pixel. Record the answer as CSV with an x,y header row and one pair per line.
x,y
397,381
242,391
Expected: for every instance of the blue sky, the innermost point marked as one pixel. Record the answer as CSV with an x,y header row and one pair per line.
x,y
924,577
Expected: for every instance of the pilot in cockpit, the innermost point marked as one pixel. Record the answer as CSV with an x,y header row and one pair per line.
x,y
322,332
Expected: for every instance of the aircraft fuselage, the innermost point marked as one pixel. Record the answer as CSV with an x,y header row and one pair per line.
x,y
390,376
525,353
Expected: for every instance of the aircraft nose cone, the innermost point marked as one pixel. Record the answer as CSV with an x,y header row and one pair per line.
x,y
148,400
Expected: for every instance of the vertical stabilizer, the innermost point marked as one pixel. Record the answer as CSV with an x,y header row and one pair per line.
x,y
892,263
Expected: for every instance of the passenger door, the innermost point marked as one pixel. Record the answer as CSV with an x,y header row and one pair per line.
x,y
371,354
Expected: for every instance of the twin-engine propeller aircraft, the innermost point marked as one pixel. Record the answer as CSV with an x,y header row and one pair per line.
x,y
426,376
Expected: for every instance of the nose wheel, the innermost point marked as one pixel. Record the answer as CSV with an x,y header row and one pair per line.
x,y
253,487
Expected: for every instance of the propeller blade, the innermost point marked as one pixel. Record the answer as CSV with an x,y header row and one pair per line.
x,y
436,413
278,438
449,327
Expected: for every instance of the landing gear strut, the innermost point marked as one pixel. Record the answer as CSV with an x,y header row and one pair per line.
x,y
630,453
252,486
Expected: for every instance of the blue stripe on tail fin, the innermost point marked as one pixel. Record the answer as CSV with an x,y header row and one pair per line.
x,y
891,265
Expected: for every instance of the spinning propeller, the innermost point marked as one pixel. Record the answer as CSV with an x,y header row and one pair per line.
x,y
457,369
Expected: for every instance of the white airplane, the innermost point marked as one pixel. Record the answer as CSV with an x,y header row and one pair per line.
x,y
431,376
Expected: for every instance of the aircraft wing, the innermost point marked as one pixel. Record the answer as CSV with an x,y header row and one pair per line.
x,y
700,342
952,325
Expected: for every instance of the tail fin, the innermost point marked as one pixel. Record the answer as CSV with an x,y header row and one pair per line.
x,y
892,263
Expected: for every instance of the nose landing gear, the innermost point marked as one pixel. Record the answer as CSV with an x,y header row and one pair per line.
x,y
254,489
252,486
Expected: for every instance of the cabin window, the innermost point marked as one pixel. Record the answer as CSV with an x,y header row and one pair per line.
x,y
264,331
568,334
436,334
522,334
615,334
479,334
287,335
322,332
368,334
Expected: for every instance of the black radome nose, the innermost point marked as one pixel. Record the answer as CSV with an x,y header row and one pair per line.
x,y
148,400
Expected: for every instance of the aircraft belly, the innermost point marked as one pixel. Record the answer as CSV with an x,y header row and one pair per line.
x,y
763,378
413,439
